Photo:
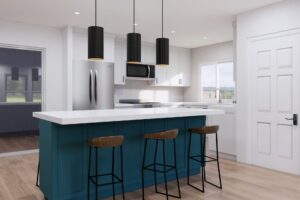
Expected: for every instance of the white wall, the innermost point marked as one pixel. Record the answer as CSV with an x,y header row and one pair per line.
x,y
142,90
271,19
202,55
50,39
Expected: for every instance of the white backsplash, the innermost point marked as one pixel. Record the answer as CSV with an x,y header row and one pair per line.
x,y
143,90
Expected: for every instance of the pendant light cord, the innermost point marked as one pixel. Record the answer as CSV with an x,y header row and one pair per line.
x,y
95,12
134,16
162,18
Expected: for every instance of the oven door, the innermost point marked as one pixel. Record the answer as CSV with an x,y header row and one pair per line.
x,y
138,70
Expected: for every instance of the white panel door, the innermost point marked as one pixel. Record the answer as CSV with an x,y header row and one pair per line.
x,y
275,66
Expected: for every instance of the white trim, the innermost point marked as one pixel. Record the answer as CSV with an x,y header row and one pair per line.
x,y
18,153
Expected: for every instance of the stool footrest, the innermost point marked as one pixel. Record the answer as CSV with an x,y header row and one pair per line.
x,y
92,178
170,195
197,156
148,167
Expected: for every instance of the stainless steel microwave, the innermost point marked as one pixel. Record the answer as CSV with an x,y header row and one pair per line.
x,y
140,71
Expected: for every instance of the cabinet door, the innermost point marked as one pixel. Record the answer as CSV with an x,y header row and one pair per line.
x,y
226,134
185,67
174,72
161,78
120,62
148,54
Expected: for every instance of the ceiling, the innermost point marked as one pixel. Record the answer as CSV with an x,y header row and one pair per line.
x,y
196,22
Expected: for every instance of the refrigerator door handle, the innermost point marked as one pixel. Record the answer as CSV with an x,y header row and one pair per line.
x,y
90,86
95,86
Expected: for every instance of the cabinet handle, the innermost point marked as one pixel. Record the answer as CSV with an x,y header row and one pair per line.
x,y
180,81
123,79
156,80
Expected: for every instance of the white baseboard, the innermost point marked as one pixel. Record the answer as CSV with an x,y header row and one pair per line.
x,y
18,153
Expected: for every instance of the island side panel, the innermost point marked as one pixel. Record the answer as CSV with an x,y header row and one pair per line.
x,y
47,159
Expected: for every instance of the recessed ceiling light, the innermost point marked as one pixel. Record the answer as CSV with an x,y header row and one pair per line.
x,y
173,31
204,38
77,13
135,24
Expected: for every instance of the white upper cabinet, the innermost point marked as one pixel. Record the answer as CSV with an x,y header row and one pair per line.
x,y
115,50
120,61
178,72
148,54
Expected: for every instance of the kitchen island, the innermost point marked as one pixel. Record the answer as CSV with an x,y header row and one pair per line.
x,y
64,149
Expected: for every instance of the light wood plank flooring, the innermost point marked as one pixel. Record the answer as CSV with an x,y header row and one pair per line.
x,y
241,182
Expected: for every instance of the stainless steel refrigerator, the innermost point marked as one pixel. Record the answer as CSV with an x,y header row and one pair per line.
x,y
93,85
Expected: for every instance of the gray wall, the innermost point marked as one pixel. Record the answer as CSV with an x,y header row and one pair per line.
x,y
18,117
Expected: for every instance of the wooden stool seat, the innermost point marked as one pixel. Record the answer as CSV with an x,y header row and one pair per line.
x,y
165,135
108,141
205,130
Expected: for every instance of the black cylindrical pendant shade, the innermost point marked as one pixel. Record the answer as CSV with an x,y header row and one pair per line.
x,y
133,48
162,51
95,43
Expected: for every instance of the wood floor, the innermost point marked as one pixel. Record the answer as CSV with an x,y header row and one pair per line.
x,y
241,182
18,142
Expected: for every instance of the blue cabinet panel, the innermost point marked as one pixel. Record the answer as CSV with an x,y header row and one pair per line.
x,y
64,154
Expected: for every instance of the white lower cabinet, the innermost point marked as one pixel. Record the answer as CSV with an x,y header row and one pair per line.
x,y
226,134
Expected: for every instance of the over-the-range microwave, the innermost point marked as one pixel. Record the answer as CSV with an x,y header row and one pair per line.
x,y
140,71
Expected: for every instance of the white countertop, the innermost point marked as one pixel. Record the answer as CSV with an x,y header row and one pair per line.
x,y
113,115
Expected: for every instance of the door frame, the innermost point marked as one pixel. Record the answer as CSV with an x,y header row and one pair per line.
x,y
251,90
43,65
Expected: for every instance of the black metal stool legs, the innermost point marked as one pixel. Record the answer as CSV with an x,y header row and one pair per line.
x,y
218,165
175,163
114,178
37,184
89,173
122,172
203,162
143,165
165,166
190,157
165,175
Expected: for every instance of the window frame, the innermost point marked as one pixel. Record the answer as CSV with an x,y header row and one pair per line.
x,y
218,88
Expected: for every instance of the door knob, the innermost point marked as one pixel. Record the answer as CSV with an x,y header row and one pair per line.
x,y
295,119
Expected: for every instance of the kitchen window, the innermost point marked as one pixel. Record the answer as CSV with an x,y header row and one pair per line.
x,y
217,83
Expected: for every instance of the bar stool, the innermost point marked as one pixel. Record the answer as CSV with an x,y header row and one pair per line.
x,y
203,131
105,142
161,136
37,183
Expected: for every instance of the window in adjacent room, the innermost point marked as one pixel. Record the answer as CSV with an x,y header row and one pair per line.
x,y
217,83
15,89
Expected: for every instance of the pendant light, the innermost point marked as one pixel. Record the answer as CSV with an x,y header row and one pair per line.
x,y
133,43
162,45
95,40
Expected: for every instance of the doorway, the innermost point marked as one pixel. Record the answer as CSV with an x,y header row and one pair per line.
x,y
21,77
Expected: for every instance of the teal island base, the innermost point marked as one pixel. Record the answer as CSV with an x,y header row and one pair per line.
x,y
64,155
